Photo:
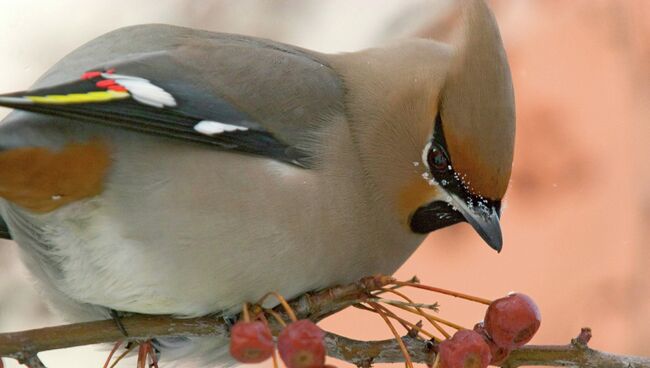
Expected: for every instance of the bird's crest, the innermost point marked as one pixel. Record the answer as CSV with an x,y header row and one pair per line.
x,y
477,105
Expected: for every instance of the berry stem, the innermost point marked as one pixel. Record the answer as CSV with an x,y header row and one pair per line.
x,y
283,301
402,347
245,313
141,357
147,356
436,362
276,316
113,350
428,317
274,357
152,354
446,292
435,318
407,325
125,353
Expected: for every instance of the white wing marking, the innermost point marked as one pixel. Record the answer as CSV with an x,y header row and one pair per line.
x,y
211,128
144,92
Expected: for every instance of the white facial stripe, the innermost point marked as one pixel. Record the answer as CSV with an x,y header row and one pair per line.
x,y
425,153
211,128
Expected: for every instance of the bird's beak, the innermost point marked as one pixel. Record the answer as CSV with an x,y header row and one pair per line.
x,y
484,220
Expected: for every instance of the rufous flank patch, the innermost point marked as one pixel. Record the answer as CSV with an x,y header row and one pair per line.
x,y
42,180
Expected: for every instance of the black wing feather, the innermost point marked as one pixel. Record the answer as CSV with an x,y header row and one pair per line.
x,y
171,122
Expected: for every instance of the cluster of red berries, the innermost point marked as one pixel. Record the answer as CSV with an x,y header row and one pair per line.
x,y
301,343
509,323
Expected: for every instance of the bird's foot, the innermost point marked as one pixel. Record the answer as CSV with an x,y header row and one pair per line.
x,y
115,315
229,320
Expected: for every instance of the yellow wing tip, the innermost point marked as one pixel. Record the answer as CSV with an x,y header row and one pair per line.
x,y
77,98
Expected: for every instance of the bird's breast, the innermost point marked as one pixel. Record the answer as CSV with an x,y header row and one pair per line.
x,y
188,230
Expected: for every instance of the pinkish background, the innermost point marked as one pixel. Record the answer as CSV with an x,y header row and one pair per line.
x,y
577,222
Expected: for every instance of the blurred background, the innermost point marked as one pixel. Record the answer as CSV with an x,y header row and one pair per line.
x,y
577,217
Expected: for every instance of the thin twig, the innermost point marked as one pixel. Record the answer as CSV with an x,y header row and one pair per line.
x,y
407,325
110,355
125,353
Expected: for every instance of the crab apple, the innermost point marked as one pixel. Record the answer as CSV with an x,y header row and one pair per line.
x,y
301,345
512,321
251,342
499,354
466,349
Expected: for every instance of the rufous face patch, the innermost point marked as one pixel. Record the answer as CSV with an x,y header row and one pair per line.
x,y
413,195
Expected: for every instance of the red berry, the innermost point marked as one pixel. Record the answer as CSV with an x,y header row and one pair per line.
x,y
301,345
251,342
512,321
466,349
499,354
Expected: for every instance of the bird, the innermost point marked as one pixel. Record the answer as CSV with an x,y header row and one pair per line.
x,y
166,170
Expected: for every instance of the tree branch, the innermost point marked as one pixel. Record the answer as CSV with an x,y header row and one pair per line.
x,y
363,353
25,345
571,356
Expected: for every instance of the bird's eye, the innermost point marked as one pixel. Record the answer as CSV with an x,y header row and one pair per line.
x,y
437,160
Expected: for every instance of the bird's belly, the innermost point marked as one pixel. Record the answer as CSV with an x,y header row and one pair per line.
x,y
189,238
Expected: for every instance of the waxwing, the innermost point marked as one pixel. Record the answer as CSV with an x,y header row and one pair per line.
x,y
167,170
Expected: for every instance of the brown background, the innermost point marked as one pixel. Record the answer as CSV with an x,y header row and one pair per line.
x,y
577,219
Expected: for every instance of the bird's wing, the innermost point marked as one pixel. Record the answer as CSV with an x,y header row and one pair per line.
x,y
237,93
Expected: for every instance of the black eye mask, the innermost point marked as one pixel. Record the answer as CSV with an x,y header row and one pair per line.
x,y
439,214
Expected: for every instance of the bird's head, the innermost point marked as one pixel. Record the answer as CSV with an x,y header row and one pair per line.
x,y
468,157
434,124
